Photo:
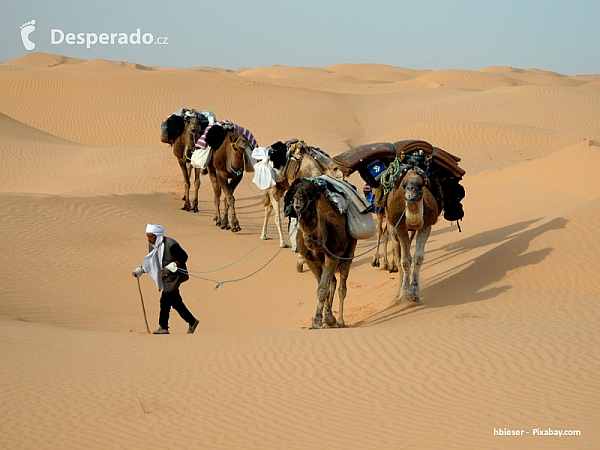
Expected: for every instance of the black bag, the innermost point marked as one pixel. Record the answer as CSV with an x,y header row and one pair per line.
x,y
215,136
453,195
171,129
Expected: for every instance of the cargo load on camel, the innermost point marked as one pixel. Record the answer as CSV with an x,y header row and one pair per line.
x,y
174,125
380,163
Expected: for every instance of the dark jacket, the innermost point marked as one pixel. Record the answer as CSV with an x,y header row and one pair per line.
x,y
174,252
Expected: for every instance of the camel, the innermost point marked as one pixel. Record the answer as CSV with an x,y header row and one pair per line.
x,y
293,160
410,206
183,143
324,243
225,169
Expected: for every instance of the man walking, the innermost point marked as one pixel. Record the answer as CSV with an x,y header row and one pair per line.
x,y
165,263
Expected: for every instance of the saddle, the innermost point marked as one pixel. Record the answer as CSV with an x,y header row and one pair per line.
x,y
441,167
359,157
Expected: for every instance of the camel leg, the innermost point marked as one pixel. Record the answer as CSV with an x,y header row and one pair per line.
x,y
342,291
323,291
263,234
379,224
392,267
196,187
226,190
392,241
300,264
406,261
230,200
186,185
344,269
419,257
317,271
329,320
282,243
268,208
217,198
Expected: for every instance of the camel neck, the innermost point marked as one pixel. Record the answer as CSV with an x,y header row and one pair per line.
x,y
414,215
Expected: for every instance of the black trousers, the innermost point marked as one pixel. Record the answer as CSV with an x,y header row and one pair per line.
x,y
173,300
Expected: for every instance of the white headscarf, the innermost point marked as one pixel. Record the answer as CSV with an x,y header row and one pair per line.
x,y
152,263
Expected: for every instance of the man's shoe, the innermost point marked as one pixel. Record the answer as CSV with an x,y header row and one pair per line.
x,y
161,330
193,326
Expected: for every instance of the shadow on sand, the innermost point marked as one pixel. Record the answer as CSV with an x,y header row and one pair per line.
x,y
476,279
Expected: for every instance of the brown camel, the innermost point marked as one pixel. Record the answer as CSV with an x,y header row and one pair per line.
x,y
226,168
183,143
293,160
324,243
411,206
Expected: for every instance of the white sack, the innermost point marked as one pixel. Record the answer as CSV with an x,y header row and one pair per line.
x,y
264,175
200,157
360,226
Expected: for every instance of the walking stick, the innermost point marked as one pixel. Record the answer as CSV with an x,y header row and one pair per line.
x,y
143,307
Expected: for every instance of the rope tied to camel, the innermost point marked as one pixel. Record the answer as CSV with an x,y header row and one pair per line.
x,y
221,283
369,250
390,174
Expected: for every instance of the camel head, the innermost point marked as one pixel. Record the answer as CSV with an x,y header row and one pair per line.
x,y
299,197
194,127
191,133
239,142
412,184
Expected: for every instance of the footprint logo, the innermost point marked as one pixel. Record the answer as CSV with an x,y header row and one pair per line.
x,y
26,30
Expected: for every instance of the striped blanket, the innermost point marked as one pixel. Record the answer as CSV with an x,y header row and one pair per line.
x,y
201,144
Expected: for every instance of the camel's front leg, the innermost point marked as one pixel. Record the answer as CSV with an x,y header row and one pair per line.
x,y
217,198
342,291
275,203
324,294
419,258
329,320
344,269
196,186
229,188
402,245
263,234
317,271
186,185
379,225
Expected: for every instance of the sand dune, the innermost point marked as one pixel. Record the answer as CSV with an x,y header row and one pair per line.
x,y
506,335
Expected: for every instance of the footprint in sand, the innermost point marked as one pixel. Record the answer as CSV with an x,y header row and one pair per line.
x,y
26,30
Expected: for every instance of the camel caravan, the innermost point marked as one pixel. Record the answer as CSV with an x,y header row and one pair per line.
x,y
407,186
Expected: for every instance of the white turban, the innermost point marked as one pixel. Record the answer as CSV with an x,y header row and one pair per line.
x,y
152,263
154,229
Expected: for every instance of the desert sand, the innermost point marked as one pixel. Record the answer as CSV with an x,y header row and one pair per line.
x,y
506,336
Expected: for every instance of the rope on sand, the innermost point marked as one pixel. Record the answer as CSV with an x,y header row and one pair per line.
x,y
189,272
221,283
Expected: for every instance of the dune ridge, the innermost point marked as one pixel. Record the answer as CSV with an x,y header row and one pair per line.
x,y
505,337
